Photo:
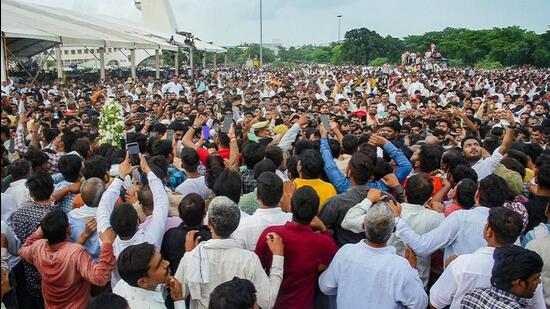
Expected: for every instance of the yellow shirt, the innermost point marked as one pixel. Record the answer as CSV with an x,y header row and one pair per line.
x,y
324,190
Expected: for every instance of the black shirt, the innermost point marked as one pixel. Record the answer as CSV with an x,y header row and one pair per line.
x,y
173,243
335,209
536,207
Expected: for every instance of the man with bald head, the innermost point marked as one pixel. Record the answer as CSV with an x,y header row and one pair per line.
x,y
83,220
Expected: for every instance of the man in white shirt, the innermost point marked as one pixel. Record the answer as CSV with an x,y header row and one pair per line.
x,y
222,258
172,87
144,273
416,85
420,219
462,231
195,182
370,265
9,206
124,218
472,271
471,150
7,86
20,170
269,193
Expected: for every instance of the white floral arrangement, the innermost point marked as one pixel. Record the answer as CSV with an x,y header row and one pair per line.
x,y
111,124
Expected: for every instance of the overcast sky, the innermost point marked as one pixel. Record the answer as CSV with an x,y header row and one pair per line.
x,y
298,22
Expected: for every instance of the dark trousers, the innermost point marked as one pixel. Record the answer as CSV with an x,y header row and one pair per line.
x,y
24,298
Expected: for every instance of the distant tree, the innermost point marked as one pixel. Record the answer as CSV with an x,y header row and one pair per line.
x,y
462,47
376,62
361,45
336,54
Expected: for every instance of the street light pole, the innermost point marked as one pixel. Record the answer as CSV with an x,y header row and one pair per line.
x,y
261,37
339,19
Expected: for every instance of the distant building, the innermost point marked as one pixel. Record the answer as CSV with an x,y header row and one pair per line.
x,y
89,57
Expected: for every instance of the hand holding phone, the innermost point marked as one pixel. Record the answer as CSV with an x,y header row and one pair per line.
x,y
326,122
227,122
133,153
169,135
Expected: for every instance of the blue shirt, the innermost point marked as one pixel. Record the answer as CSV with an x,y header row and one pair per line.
x,y
175,177
77,228
363,276
341,183
460,233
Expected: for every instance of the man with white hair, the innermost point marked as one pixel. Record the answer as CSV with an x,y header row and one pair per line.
x,y
370,265
210,263
83,220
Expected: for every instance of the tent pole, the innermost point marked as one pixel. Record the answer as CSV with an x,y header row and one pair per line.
x,y
215,55
204,60
133,62
157,63
4,62
191,60
58,62
176,62
102,62
225,59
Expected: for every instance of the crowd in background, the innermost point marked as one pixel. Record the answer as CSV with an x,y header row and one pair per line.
x,y
307,187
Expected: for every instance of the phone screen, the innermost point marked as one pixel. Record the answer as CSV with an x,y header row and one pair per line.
x,y
216,127
133,153
325,121
206,132
227,122
169,134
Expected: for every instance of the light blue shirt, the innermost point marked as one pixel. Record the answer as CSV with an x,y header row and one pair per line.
x,y
362,276
460,233
92,244
13,244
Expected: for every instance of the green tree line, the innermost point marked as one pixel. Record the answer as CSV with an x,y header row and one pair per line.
x,y
489,48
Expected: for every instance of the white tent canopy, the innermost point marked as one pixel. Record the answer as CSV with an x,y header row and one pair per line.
x,y
32,28
200,45
24,21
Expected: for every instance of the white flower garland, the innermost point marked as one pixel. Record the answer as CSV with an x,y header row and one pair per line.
x,y
111,124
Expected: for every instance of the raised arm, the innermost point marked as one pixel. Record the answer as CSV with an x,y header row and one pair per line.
x,y
110,196
334,127
340,182
188,137
160,201
20,145
426,244
290,135
466,120
404,166
98,273
233,150
355,217
509,135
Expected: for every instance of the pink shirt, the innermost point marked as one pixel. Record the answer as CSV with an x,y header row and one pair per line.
x,y
170,222
67,270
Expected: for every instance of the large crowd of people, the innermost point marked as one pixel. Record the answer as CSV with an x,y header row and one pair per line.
x,y
306,187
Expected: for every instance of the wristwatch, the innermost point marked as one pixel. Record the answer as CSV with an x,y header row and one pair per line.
x,y
195,128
